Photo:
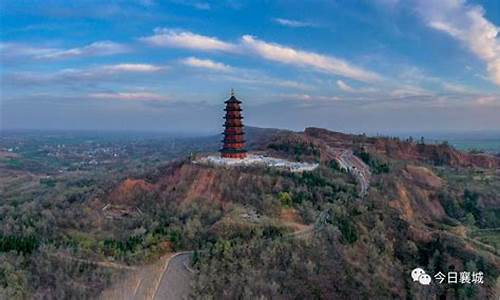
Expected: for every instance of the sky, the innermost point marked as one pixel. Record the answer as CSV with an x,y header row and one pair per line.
x,y
379,66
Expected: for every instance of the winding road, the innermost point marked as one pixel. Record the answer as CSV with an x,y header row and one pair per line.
x,y
176,279
357,168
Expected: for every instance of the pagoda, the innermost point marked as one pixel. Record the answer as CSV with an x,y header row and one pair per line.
x,y
234,136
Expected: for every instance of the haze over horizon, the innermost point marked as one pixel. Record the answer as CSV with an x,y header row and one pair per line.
x,y
384,66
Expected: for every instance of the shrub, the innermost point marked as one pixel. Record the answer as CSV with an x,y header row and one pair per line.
x,y
285,199
21,244
348,230
376,166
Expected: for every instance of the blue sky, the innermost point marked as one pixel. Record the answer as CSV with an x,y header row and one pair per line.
x,y
384,66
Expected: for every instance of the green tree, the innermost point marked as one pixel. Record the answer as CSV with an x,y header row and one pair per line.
x,y
285,199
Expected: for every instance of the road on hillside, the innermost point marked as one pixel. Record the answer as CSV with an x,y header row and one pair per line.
x,y
357,168
176,281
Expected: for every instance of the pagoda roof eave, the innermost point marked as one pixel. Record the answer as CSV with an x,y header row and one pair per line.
x,y
232,100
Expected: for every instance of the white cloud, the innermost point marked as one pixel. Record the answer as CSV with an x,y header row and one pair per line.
x,y
105,70
75,76
292,23
242,75
248,44
201,5
255,78
301,97
129,96
344,86
467,24
94,49
138,68
23,50
308,97
164,37
285,83
410,91
488,100
445,27
318,62
456,88
206,64
410,74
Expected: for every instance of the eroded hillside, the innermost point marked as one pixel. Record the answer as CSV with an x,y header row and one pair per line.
x,y
428,205
260,232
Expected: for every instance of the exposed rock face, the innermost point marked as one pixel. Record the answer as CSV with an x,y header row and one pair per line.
x,y
128,190
394,148
189,181
423,177
415,195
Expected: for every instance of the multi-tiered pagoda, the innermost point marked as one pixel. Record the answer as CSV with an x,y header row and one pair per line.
x,y
234,136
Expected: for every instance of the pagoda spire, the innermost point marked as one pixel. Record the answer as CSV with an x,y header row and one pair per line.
x,y
234,136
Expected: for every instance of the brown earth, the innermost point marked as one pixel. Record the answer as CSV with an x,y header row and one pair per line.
x,y
437,154
415,195
203,186
402,150
192,181
291,218
128,190
423,177
414,191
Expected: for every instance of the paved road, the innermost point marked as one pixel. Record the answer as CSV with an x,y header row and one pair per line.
x,y
176,280
357,168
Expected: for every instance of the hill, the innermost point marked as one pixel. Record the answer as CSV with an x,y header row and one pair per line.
x,y
262,232
426,206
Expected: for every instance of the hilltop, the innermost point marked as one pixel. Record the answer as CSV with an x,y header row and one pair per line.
x,y
426,206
